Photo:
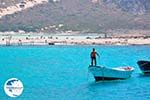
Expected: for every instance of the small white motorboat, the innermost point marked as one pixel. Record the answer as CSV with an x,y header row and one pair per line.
x,y
104,73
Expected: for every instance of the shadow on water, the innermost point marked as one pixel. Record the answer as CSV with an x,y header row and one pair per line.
x,y
108,83
103,88
142,75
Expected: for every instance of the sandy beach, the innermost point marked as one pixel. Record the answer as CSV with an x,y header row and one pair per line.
x,y
41,39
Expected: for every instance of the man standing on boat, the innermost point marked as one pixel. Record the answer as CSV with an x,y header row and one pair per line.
x,y
93,57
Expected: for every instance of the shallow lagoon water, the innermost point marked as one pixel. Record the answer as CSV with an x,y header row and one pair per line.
x,y
60,72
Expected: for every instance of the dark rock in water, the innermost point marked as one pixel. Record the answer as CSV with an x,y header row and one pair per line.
x,y
51,43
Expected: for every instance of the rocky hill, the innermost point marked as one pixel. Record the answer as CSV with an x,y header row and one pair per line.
x,y
80,15
132,6
7,3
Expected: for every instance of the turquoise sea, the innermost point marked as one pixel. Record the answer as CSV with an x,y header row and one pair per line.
x,y
61,72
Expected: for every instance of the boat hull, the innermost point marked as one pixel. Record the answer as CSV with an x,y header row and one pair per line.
x,y
144,66
103,73
106,78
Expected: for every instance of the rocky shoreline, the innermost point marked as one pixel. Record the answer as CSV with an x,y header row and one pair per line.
x,y
19,40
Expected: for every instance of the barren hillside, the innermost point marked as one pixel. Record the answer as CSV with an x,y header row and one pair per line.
x,y
78,15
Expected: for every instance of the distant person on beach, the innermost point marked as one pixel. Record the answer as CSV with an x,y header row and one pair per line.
x,y
93,57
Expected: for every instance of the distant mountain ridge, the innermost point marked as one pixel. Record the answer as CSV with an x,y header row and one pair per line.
x,y
80,15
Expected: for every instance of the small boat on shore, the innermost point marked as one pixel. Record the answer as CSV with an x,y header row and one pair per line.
x,y
104,73
144,66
